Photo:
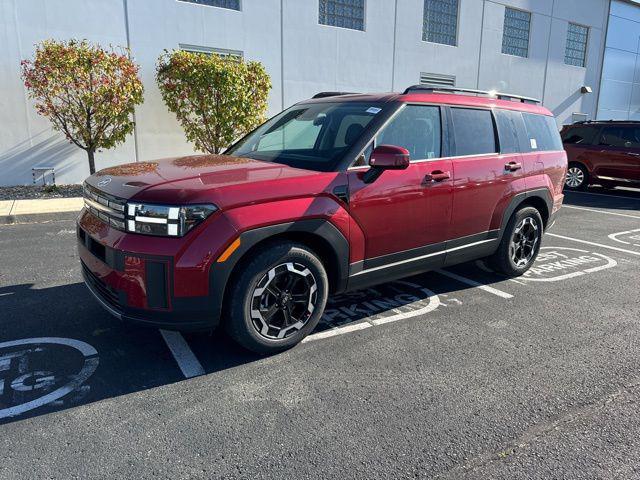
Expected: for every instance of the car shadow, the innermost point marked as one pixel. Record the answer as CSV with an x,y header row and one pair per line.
x,y
130,358
597,197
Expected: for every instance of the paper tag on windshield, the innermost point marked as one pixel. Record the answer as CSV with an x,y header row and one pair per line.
x,y
534,144
373,110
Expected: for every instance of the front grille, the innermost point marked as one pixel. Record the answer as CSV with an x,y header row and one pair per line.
x,y
108,294
106,207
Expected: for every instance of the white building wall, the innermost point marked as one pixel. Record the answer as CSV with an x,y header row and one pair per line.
x,y
301,56
620,95
26,139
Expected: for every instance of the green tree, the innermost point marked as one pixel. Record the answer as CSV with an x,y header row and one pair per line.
x,y
216,99
88,93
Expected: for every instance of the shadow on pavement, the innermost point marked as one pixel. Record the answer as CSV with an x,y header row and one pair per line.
x,y
596,197
60,349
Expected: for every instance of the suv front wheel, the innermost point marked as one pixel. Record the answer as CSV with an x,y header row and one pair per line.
x,y
277,298
520,243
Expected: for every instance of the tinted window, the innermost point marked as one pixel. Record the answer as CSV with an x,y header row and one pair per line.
x,y
473,131
620,136
511,131
579,135
543,132
416,128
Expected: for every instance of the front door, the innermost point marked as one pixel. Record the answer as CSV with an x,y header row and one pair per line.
x,y
404,214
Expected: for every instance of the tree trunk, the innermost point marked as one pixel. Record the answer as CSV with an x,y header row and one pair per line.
x,y
92,163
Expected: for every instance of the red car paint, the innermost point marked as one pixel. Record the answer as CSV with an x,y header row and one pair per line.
x,y
606,160
428,203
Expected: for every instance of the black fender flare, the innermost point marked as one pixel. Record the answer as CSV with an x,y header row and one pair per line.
x,y
519,199
220,273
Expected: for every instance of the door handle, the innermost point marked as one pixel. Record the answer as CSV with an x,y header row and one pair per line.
x,y
512,166
437,176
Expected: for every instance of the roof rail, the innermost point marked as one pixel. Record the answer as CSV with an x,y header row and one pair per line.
x,y
332,94
439,88
605,121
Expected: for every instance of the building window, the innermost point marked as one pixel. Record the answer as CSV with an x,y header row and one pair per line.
x,y
576,51
208,51
440,21
515,35
230,4
342,13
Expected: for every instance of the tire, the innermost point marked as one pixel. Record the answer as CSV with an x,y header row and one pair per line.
x,y
577,177
516,255
264,312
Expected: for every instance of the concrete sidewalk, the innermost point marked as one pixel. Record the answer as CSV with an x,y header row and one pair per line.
x,y
27,211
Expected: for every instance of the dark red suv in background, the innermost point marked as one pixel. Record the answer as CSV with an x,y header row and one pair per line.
x,y
337,192
602,152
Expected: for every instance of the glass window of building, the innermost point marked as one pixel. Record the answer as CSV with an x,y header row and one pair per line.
x,y
231,4
342,13
440,21
576,50
515,35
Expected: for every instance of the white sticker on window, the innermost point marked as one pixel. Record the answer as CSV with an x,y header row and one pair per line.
x,y
373,110
534,144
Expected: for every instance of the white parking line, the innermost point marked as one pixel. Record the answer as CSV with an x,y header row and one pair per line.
x,y
185,358
336,331
601,211
475,284
593,244
614,236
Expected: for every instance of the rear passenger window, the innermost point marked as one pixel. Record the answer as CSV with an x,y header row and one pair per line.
x,y
620,136
473,131
416,128
579,135
511,131
542,131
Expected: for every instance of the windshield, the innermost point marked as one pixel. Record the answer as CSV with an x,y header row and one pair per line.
x,y
311,136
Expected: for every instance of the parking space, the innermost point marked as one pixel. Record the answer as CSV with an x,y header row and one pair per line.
x,y
563,335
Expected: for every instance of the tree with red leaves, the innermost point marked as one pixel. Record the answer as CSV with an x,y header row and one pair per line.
x,y
88,93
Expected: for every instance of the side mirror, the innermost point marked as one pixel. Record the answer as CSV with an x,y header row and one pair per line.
x,y
389,157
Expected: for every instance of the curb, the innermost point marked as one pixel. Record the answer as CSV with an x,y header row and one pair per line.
x,y
39,210
37,217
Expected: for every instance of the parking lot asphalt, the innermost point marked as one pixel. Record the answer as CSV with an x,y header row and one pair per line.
x,y
451,374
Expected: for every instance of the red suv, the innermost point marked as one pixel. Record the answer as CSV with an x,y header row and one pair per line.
x,y
336,193
602,152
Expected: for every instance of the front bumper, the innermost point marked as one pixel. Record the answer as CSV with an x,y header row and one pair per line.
x,y
140,287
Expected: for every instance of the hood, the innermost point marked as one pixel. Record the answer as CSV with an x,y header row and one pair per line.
x,y
199,179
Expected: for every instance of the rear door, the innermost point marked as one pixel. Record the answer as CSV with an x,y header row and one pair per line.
x,y
620,153
484,178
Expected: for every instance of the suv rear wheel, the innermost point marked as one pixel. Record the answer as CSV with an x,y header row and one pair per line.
x,y
277,298
577,177
520,243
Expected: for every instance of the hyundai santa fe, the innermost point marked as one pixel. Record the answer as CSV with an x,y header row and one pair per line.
x,y
336,193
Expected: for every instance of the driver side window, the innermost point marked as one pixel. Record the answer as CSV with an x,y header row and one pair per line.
x,y
416,128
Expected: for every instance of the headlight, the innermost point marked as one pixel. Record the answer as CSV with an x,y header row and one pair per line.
x,y
165,220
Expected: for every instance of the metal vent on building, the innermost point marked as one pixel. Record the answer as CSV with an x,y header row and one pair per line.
x,y
437,79
208,50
